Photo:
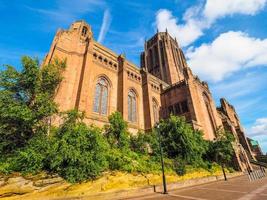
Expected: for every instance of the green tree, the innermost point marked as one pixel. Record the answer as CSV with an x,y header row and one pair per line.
x,y
116,131
33,158
180,141
78,152
26,101
221,149
145,143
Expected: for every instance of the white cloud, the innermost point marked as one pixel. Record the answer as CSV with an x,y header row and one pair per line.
x,y
185,33
201,17
259,128
215,9
229,52
105,26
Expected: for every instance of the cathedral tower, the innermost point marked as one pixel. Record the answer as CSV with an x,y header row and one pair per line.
x,y
163,58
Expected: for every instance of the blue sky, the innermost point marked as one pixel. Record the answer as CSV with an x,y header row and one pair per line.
x,y
225,41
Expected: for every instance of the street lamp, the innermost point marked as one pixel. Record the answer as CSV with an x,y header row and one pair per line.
x,y
162,162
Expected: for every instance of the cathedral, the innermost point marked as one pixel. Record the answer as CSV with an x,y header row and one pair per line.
x,y
100,82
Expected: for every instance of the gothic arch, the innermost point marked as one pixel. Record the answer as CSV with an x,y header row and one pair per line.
x,y
105,77
101,96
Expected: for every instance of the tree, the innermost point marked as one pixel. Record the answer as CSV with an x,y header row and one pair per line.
x,y
26,101
179,140
145,143
221,149
78,152
116,132
33,158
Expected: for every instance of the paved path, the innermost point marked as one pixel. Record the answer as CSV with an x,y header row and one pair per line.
x,y
236,188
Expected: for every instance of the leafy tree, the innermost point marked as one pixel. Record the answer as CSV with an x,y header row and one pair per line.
x,y
179,140
221,149
116,132
26,101
78,152
145,143
32,158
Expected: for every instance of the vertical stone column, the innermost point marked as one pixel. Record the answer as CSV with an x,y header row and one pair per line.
x,y
122,93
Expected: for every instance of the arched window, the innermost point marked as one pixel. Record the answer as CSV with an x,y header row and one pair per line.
x,y
101,97
155,110
132,106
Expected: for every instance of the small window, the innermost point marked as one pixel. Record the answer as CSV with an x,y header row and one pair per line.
x,y
184,107
84,31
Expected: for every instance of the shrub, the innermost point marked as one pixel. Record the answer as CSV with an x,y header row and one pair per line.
x,y
179,166
121,160
33,157
116,132
221,149
179,139
79,151
145,143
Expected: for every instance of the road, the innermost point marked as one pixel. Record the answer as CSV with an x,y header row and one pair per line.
x,y
239,188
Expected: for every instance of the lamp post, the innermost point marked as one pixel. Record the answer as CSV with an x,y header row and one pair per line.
x,y
162,162
224,174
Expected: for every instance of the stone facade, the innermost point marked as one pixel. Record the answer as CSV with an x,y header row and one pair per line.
x,y
100,82
231,124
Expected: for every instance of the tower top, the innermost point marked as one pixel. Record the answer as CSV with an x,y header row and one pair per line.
x,y
161,36
81,27
163,58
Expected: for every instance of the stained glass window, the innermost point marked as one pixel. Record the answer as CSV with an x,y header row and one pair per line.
x,y
101,97
132,117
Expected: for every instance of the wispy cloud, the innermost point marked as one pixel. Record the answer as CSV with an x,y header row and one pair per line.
x,y
66,12
130,43
12,56
240,86
246,91
105,26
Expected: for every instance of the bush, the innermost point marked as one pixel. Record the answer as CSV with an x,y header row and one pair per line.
x,y
79,151
221,149
179,166
121,160
33,157
145,143
116,132
179,139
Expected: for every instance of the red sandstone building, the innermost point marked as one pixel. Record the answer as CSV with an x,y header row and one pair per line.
x,y
99,82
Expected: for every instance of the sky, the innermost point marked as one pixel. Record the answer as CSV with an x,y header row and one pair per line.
x,y
224,41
